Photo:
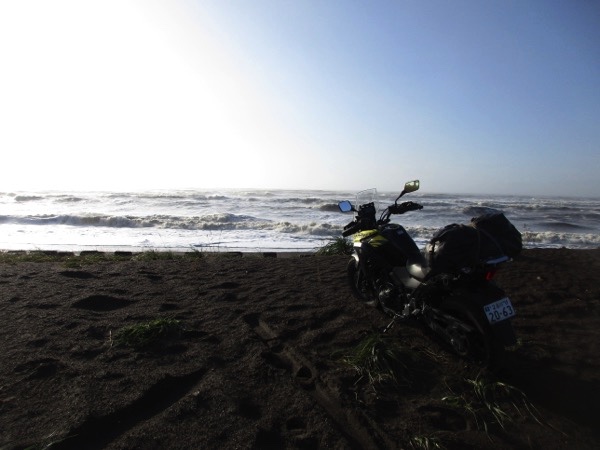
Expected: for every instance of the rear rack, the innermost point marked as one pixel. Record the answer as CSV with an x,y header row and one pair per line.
x,y
493,262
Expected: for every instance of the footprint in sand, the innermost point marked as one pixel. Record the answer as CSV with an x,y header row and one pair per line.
x,y
101,303
79,274
39,368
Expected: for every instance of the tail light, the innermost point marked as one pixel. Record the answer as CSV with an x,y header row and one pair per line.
x,y
490,273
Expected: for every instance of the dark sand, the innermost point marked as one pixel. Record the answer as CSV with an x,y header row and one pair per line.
x,y
259,363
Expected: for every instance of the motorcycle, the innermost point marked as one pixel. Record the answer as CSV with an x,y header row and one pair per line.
x,y
448,285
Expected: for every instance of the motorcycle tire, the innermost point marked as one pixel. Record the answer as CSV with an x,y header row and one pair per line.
x,y
359,285
472,338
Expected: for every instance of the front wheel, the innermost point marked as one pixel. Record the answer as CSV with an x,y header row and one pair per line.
x,y
361,287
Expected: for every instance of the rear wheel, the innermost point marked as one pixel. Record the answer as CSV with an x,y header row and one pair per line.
x,y
362,289
468,335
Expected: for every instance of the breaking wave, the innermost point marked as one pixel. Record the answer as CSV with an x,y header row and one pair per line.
x,y
263,218
225,221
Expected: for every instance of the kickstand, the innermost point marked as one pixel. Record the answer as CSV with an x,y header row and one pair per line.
x,y
398,317
390,325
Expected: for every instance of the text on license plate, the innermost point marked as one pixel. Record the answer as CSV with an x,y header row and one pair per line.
x,y
499,310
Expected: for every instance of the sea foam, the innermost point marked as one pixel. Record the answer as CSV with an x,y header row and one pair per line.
x,y
253,219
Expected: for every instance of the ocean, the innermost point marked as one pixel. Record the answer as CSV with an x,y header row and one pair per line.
x,y
261,220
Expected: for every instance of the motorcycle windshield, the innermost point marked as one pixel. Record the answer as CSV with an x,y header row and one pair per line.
x,y
367,196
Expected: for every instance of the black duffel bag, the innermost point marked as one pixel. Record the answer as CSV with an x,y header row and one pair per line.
x,y
488,236
453,247
496,227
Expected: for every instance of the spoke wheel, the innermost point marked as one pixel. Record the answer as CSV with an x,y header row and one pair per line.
x,y
361,288
468,335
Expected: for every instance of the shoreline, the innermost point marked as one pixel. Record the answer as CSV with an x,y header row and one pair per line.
x,y
167,252
49,255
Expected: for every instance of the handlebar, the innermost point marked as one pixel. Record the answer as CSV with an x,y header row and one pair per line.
x,y
351,228
361,223
404,207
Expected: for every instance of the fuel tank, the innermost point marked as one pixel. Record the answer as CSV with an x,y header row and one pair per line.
x,y
392,244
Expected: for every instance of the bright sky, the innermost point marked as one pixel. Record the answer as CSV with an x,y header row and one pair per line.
x,y
468,96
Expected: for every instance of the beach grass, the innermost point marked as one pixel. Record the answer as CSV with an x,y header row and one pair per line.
x,y
490,401
73,260
76,260
146,334
69,258
154,255
426,443
380,358
336,246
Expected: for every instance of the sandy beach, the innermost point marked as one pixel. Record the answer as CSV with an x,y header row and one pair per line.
x,y
258,359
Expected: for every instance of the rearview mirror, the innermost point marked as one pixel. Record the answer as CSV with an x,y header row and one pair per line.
x,y
411,186
345,206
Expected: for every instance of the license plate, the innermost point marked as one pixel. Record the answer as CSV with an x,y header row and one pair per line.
x,y
499,310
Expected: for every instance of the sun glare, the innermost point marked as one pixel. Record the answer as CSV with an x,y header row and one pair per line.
x,y
122,94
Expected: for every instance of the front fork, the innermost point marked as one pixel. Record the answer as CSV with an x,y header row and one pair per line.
x,y
409,310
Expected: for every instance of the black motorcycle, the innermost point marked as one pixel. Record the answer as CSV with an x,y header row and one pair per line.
x,y
448,285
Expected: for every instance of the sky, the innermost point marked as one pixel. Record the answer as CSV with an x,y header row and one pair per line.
x,y
476,97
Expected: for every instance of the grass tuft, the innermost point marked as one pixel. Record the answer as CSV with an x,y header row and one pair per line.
x,y
194,253
154,255
149,333
426,443
72,260
336,246
379,358
490,401
15,257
